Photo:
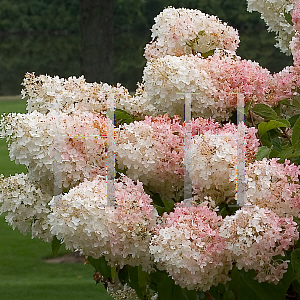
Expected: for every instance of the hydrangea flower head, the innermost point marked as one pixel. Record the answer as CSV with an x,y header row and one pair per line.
x,y
188,246
189,31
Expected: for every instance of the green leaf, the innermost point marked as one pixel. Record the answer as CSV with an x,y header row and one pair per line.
x,y
295,259
293,119
156,199
265,111
113,272
55,245
123,115
265,141
169,205
296,132
159,209
262,152
142,277
273,153
297,220
296,102
101,266
296,286
263,127
288,17
276,142
247,106
263,290
215,292
223,212
277,109
288,277
208,53
245,287
286,152
120,116
165,288
284,121
228,295
131,276
285,102
192,295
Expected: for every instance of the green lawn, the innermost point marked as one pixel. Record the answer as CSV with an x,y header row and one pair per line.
x,y
7,167
23,273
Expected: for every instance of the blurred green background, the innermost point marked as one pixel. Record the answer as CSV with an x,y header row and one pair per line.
x,y
42,36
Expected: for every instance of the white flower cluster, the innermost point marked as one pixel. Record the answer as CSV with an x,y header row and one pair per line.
x,y
213,168
75,95
139,105
189,31
79,218
26,206
273,186
273,13
73,146
85,221
168,78
135,150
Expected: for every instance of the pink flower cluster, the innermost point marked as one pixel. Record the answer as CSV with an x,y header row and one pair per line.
x,y
152,151
253,236
231,75
189,247
214,83
295,43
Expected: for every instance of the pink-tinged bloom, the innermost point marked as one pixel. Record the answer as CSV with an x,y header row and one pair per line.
x,y
213,82
87,223
296,15
72,145
152,151
214,161
188,246
188,31
274,186
254,236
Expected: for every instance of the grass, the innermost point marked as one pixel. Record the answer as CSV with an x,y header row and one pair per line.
x,y
10,104
23,273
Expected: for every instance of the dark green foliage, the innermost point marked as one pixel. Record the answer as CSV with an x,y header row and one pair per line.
x,y
37,15
132,21
42,54
100,265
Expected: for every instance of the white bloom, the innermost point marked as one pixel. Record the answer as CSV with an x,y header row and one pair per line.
x,y
26,206
273,13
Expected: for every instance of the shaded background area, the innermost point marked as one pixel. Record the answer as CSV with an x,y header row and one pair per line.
x,y
43,36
